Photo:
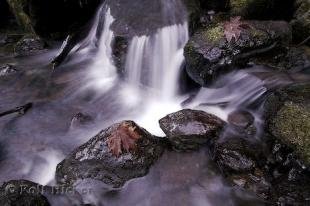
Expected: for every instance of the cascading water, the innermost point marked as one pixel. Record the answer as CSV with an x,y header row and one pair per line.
x,y
153,69
155,61
102,74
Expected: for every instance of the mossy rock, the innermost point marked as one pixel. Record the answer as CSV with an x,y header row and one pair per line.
x,y
301,21
18,8
208,53
288,118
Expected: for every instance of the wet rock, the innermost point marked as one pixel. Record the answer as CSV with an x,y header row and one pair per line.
x,y
242,122
188,129
295,58
29,45
80,120
237,155
288,118
7,70
241,119
9,38
22,193
120,47
208,53
117,154
301,22
151,15
256,184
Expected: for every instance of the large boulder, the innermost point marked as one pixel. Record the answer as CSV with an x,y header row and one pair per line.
x,y
117,154
211,51
301,21
188,129
288,118
22,193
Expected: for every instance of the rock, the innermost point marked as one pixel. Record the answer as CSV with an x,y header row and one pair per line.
x,y
262,9
188,129
301,21
237,155
22,193
29,45
288,118
9,38
80,120
241,119
242,122
295,58
117,154
151,15
7,70
208,53
256,184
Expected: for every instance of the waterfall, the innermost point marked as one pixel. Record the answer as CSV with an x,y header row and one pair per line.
x,y
155,61
102,72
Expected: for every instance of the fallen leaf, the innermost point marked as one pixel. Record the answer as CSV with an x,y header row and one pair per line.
x,y
124,138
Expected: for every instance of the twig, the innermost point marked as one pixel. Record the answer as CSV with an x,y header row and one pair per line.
x,y
304,41
20,110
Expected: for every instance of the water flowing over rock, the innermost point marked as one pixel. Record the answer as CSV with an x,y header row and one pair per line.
x,y
155,61
208,54
117,154
189,129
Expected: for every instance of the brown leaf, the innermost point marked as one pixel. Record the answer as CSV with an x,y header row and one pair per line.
x,y
233,28
123,138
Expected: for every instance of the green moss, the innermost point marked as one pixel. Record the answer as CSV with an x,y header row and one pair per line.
x,y
292,125
17,7
214,34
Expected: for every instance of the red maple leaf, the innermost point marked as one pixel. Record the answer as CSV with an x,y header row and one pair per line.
x,y
123,138
232,28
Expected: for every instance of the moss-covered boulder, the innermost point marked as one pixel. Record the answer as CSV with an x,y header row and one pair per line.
x,y
301,21
208,53
288,118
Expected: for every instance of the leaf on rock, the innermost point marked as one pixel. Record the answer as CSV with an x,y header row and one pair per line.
x,y
124,138
233,28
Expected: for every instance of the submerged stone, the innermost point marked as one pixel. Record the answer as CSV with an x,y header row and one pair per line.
x,y
189,129
117,154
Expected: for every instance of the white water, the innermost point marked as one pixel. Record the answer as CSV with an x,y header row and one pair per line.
x,y
153,66
155,61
